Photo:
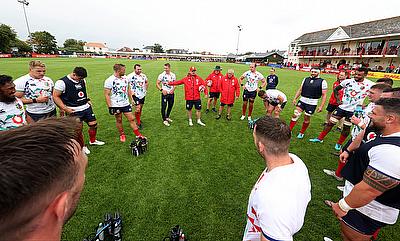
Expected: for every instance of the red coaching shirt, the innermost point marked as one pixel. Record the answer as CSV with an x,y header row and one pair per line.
x,y
192,86
216,79
332,100
229,87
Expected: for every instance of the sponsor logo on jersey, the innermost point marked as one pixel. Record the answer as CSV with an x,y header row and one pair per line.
x,y
371,136
17,119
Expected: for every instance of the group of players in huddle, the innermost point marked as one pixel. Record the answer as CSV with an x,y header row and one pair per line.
x,y
34,96
40,96
368,165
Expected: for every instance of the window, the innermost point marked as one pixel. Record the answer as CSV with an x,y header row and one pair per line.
x,y
371,47
394,43
393,47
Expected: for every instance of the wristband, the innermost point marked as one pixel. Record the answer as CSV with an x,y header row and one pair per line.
x,y
346,150
34,101
260,88
241,84
344,206
160,90
88,99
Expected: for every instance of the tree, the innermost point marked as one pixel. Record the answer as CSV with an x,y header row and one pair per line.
x,y
7,37
157,48
44,42
73,45
22,46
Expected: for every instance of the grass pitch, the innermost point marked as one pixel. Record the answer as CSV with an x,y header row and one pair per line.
x,y
198,177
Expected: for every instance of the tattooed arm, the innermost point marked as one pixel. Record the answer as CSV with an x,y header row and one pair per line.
x,y
374,183
382,174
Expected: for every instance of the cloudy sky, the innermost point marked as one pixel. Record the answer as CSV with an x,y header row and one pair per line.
x,y
209,25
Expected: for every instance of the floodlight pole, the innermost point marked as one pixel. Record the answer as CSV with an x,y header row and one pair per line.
x,y
26,3
237,46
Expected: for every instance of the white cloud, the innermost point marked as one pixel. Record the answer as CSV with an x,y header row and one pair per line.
x,y
196,25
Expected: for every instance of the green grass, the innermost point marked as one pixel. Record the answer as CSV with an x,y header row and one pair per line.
x,y
198,177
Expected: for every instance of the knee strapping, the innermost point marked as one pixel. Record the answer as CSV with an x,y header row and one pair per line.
x,y
296,115
333,120
347,123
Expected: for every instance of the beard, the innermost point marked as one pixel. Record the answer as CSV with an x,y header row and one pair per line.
x,y
7,99
377,126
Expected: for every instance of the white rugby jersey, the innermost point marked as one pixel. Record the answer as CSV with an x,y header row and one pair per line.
x,y
32,89
138,84
119,90
278,202
165,79
252,79
354,93
12,115
273,94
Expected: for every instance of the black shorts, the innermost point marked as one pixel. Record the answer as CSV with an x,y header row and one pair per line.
x,y
361,223
36,117
331,108
138,101
86,115
308,109
123,109
249,95
195,103
343,113
223,104
276,104
214,95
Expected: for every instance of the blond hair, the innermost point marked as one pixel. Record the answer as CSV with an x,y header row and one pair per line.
x,y
36,63
230,71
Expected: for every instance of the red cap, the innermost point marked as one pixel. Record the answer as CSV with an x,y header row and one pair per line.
x,y
192,69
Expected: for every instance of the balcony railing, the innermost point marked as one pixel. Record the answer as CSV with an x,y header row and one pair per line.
x,y
349,52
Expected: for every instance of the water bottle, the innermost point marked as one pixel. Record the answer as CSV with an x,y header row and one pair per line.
x,y
359,112
100,233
